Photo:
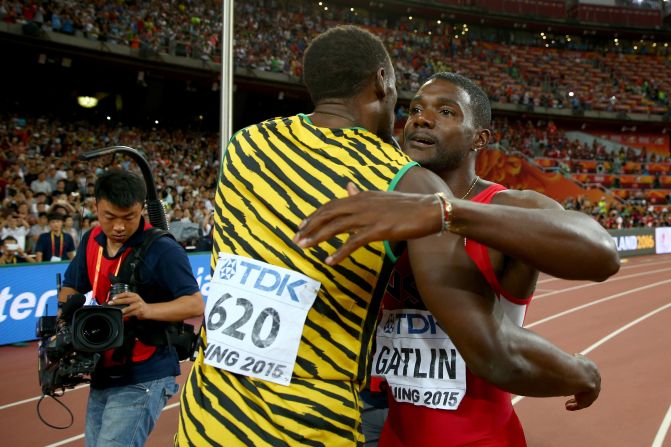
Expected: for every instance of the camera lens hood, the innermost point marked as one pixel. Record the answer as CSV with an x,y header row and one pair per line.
x,y
97,328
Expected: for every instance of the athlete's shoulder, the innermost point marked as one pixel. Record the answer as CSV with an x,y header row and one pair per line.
x,y
525,198
255,128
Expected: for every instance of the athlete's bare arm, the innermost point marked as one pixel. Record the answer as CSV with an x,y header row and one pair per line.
x,y
371,216
566,244
536,230
493,347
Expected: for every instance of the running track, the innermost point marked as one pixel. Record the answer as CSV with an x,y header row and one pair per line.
x,y
623,324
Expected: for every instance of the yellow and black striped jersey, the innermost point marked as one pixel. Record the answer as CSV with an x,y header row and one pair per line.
x,y
273,175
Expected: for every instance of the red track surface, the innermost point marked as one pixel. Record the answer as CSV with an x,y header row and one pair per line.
x,y
624,324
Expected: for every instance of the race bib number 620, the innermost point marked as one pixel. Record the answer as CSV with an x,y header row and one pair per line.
x,y
254,317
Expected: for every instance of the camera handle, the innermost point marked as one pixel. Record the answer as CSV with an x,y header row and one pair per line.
x,y
154,207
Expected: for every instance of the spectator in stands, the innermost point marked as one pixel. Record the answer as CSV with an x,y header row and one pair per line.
x,y
12,253
17,227
41,184
69,228
40,226
54,246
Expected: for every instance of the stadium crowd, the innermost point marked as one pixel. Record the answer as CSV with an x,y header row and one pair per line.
x,y
543,139
41,176
270,35
616,216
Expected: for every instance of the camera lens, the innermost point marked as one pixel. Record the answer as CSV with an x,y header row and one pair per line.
x,y
97,330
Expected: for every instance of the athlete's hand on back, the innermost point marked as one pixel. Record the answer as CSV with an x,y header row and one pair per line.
x,y
585,398
370,216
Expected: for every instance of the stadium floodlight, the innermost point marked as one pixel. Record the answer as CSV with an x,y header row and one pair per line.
x,y
88,102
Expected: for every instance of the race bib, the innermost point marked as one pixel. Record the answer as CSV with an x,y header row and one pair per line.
x,y
418,360
254,317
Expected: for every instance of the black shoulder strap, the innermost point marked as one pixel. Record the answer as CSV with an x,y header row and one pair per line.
x,y
129,270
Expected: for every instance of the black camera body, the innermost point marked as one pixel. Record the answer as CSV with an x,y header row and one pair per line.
x,y
70,346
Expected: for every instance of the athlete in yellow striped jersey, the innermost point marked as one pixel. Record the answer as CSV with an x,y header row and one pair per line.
x,y
273,175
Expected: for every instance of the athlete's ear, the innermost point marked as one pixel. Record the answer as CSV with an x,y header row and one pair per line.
x,y
381,76
481,139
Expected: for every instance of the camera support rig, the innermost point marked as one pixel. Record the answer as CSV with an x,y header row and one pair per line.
x,y
154,207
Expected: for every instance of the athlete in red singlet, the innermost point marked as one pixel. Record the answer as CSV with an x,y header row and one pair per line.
x,y
425,411
453,391
434,398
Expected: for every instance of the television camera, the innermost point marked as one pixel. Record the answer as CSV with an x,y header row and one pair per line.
x,y
70,345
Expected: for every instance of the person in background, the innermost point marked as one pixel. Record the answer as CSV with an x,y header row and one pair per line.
x,y
41,226
16,226
12,252
69,228
54,245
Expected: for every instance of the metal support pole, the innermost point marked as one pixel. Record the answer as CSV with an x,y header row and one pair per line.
x,y
226,75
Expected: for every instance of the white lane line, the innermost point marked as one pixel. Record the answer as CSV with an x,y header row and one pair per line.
x,y
67,441
592,303
32,399
624,328
613,334
544,290
663,429
81,436
624,267
592,284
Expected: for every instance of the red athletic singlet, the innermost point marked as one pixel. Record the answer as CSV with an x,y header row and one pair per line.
x,y
484,416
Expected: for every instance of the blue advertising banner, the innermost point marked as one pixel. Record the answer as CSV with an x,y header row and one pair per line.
x,y
28,291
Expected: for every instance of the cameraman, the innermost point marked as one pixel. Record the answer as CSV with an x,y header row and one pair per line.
x,y
131,385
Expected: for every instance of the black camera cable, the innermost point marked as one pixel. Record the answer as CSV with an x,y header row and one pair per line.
x,y
55,397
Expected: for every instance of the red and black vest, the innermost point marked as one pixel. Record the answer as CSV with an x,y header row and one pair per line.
x,y
99,268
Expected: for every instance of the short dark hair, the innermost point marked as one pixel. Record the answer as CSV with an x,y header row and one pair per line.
x,y
55,216
121,188
340,62
480,105
9,238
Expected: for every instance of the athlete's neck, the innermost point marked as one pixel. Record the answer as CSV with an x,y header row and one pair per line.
x,y
462,182
334,115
